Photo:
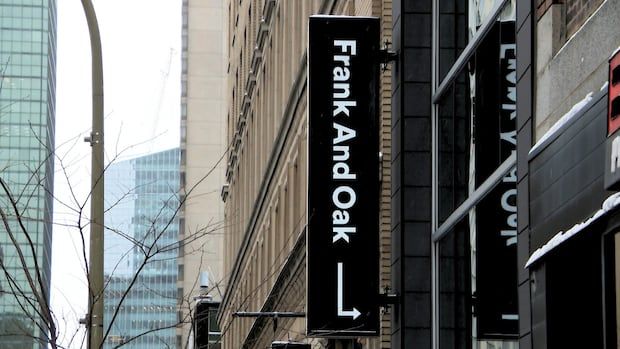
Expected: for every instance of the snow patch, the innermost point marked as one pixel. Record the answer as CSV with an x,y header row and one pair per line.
x,y
609,204
613,54
604,87
563,121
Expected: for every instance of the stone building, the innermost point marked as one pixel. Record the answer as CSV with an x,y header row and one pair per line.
x,y
266,174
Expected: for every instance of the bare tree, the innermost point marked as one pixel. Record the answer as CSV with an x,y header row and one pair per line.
x,y
21,276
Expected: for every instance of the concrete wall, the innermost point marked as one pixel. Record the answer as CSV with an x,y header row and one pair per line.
x,y
567,71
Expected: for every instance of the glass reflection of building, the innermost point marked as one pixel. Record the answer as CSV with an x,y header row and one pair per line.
x,y
474,106
27,112
454,182
141,251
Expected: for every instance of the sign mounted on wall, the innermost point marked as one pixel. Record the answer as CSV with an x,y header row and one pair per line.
x,y
343,177
612,157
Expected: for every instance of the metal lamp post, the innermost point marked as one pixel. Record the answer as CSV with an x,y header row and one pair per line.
x,y
94,321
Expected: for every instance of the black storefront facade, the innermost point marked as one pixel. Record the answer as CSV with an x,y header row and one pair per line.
x,y
574,224
454,180
463,170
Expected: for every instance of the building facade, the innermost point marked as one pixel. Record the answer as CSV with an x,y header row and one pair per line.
x,y
203,149
454,179
266,172
568,247
498,136
503,212
27,114
141,250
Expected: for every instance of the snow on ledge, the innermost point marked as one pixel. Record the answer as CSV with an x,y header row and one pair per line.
x,y
609,204
562,121
606,84
613,54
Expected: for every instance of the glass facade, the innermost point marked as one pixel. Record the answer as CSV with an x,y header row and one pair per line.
x,y
27,93
141,249
475,218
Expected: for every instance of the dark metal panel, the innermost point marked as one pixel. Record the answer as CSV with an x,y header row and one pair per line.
x,y
417,170
417,99
578,208
396,173
417,239
566,177
417,275
418,134
417,204
417,338
523,202
419,304
524,141
397,198
524,46
525,342
417,64
524,8
416,5
541,154
396,108
420,24
525,316
523,254
397,238
524,109
396,207
411,211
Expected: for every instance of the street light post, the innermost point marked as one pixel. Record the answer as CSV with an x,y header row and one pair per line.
x,y
94,321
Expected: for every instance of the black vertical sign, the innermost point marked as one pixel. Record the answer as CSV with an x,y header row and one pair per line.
x,y
496,307
343,177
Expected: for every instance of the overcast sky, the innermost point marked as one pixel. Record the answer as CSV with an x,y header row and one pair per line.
x,y
141,62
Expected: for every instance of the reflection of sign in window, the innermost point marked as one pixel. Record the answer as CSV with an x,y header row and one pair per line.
x,y
495,131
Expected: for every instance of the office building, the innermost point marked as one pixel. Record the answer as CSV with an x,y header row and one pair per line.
x,y
27,113
141,249
267,170
203,147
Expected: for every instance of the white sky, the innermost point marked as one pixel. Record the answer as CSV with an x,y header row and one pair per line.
x,y
141,62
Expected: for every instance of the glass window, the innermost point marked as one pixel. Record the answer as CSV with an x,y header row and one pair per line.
x,y
475,204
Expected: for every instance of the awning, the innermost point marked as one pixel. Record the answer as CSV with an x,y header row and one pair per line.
x,y
609,205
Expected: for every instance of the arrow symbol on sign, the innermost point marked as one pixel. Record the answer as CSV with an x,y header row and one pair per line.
x,y
354,313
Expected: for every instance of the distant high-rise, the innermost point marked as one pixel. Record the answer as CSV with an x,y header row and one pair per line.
x,y
141,251
27,113
203,138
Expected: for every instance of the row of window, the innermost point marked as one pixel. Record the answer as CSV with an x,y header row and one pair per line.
x,y
23,8
24,71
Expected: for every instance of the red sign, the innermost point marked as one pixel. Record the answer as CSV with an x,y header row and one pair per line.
x,y
613,116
